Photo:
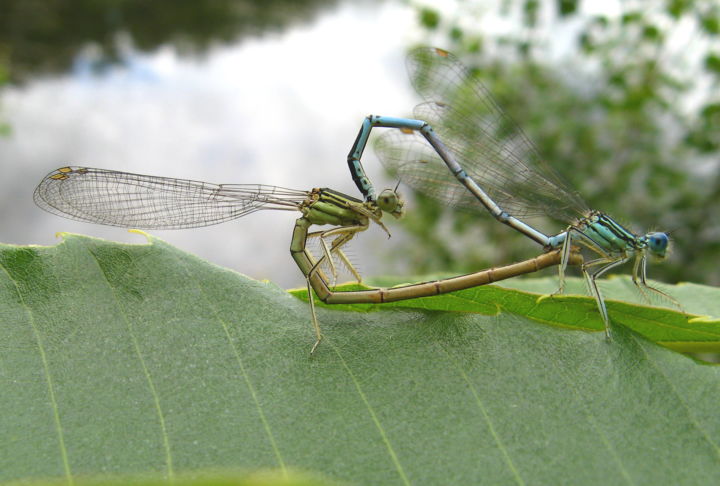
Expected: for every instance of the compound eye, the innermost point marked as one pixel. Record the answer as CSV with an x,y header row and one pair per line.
x,y
388,200
658,243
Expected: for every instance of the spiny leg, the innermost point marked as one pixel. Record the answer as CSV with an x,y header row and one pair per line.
x,y
346,233
327,252
336,248
640,270
567,245
591,281
327,255
345,236
305,261
348,264
313,315
565,250
575,235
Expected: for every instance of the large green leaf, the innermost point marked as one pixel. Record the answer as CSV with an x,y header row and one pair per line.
x,y
688,328
141,358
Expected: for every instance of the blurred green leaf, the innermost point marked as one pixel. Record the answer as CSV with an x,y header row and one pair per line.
x,y
456,34
706,135
711,23
678,7
429,18
567,7
143,360
712,63
631,17
652,33
530,12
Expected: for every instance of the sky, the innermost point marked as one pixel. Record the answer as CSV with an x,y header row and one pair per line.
x,y
283,110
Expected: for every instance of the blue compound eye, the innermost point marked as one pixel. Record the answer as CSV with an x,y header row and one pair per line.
x,y
658,243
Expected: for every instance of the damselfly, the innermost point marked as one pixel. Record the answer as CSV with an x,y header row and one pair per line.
x,y
140,201
493,164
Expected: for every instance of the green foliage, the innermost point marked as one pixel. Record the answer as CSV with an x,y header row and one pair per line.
x,y
682,331
567,7
625,115
429,18
143,360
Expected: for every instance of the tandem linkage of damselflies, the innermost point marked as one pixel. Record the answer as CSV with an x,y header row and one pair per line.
x,y
149,202
462,149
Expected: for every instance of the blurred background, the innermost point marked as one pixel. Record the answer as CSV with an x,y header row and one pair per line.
x,y
620,96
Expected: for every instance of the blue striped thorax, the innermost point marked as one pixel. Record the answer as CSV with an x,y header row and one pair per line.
x,y
609,235
612,237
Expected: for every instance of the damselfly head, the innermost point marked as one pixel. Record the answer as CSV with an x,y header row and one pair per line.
x,y
391,202
657,244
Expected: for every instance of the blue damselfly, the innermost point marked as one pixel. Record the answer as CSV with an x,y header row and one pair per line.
x,y
462,148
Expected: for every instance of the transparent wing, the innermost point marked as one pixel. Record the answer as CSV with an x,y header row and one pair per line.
x,y
410,158
491,148
139,201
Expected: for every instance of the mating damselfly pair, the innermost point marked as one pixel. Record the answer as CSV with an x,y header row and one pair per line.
x,y
140,201
476,156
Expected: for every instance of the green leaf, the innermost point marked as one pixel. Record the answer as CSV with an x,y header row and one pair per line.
x,y
676,8
142,359
429,18
712,63
710,23
631,17
674,328
652,33
567,7
530,12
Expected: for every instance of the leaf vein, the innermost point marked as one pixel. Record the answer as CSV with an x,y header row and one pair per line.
x,y
48,379
486,416
679,397
378,425
244,372
143,365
